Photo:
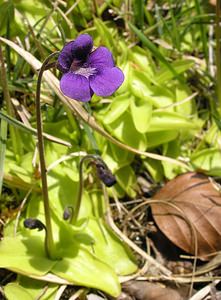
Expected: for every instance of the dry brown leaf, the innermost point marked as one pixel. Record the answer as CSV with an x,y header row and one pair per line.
x,y
142,290
212,2
190,198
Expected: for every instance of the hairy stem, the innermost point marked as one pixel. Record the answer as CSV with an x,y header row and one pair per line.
x,y
49,243
89,132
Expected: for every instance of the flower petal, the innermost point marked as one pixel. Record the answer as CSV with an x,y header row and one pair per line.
x,y
76,87
82,46
106,81
101,58
65,57
75,50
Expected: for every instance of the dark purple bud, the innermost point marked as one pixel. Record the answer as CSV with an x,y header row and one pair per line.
x,y
67,214
32,223
104,173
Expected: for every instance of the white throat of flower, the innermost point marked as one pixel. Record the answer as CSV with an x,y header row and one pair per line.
x,y
86,72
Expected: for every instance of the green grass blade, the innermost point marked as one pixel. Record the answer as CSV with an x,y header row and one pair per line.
x,y
153,49
198,8
175,33
3,138
139,12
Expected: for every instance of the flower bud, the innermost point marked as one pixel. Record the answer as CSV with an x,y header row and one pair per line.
x,y
32,223
105,174
67,214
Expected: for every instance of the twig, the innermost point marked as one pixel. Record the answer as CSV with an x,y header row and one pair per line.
x,y
139,273
150,259
72,8
69,23
178,103
20,210
44,290
203,292
77,294
60,292
182,215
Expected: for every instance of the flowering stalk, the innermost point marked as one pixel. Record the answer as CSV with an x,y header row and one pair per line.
x,y
103,173
49,243
77,206
32,223
89,132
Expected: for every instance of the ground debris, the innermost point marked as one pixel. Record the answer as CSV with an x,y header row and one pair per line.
x,y
142,290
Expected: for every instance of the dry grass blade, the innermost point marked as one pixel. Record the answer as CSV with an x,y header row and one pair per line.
x,y
132,245
52,278
179,213
76,107
77,294
201,294
211,265
20,211
21,111
32,130
178,279
16,182
60,292
3,124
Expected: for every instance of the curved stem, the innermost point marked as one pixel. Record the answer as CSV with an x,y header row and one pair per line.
x,y
88,130
81,185
49,243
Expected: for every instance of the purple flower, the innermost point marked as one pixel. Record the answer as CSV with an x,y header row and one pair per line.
x,y
86,72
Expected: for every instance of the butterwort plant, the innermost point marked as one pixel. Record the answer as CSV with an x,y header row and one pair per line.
x,y
87,71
